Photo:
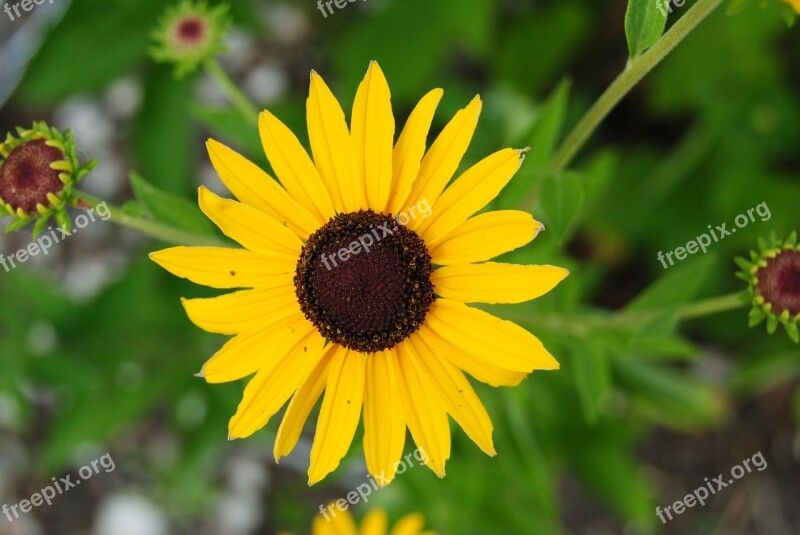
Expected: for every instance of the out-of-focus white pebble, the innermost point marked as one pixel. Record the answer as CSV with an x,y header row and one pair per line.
x,y
207,176
128,514
286,23
240,510
239,50
123,97
266,83
93,129
41,339
86,276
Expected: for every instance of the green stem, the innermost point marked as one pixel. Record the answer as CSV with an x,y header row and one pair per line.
x,y
154,229
636,69
713,305
240,101
582,326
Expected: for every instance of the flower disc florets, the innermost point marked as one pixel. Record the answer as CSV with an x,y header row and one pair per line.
x,y
190,34
38,170
773,276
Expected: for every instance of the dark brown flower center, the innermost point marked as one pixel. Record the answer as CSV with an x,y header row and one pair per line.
x,y
779,282
364,281
26,177
191,30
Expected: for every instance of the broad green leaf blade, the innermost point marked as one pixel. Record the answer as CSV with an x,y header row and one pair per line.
x,y
228,126
592,376
170,209
668,397
561,199
679,285
85,52
644,24
164,138
546,129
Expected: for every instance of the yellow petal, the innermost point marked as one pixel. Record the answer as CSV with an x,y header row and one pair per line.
x,y
444,157
409,525
332,147
485,236
410,148
251,185
469,193
335,522
272,386
372,132
384,424
339,415
294,168
479,366
239,311
427,419
456,394
483,336
251,228
493,282
376,522
302,404
220,267
260,348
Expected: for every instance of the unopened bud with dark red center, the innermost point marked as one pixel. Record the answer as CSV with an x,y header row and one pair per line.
x,y
190,34
38,169
773,276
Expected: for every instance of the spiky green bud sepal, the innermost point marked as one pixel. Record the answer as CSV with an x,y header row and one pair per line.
x,y
39,168
773,277
189,34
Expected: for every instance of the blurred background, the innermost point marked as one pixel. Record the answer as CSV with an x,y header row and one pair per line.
x,y
97,356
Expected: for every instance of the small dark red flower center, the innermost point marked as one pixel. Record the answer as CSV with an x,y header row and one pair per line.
x,y
779,282
191,30
26,177
364,281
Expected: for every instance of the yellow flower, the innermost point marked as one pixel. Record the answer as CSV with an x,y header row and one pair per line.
x,y
795,5
375,523
343,294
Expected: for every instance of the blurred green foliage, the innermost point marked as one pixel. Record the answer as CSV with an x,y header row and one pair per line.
x,y
712,132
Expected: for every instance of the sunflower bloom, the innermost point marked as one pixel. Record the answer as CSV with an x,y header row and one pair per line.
x,y
341,522
355,277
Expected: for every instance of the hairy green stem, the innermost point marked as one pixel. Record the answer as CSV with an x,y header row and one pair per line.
x,y
636,69
240,101
154,229
584,325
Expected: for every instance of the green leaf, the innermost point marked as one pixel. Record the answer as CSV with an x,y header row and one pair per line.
x,y
545,131
678,286
82,54
228,126
542,136
669,397
644,24
561,199
592,376
168,208
164,138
